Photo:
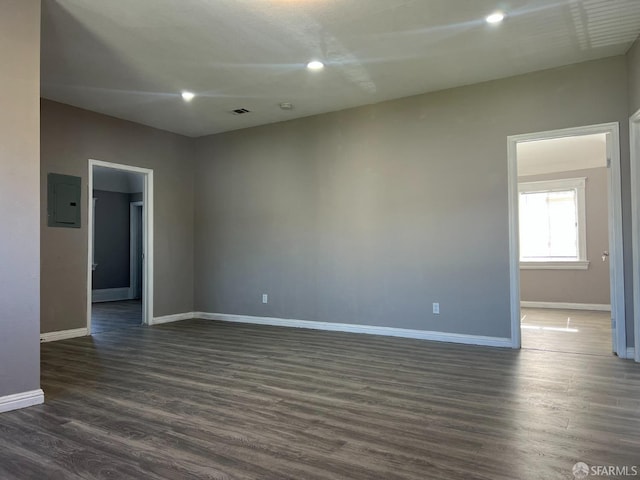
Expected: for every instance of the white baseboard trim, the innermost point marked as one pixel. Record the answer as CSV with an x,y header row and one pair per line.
x,y
132,294
367,329
21,400
173,318
63,334
110,294
567,306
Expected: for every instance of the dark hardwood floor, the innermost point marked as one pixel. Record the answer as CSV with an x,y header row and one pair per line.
x,y
571,331
203,399
107,316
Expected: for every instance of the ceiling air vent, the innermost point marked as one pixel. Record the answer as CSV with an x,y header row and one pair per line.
x,y
240,111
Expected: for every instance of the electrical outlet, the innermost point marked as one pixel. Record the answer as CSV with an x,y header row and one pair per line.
x,y
265,298
436,308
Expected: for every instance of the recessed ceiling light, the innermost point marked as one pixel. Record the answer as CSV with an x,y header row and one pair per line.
x,y
495,17
315,65
188,96
286,106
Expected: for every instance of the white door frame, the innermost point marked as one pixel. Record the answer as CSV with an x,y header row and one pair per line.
x,y
133,247
616,267
147,239
634,127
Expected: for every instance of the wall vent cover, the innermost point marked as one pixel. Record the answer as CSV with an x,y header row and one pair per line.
x,y
240,111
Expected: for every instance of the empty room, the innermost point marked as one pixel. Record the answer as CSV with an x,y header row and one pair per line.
x,y
566,273
320,239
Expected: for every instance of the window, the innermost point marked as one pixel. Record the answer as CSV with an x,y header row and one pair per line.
x,y
552,224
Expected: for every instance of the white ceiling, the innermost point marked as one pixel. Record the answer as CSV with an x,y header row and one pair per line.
x,y
131,58
562,154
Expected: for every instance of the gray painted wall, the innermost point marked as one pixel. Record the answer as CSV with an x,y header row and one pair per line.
x,y
70,137
577,286
19,197
112,240
633,67
369,215
111,180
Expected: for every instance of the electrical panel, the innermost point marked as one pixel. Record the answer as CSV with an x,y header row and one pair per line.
x,y
63,200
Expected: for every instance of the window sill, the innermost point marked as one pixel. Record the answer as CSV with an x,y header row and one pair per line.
x,y
568,265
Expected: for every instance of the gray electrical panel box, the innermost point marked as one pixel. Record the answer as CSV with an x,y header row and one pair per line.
x,y
63,200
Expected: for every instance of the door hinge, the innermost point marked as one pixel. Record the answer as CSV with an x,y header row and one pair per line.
x,y
608,162
613,323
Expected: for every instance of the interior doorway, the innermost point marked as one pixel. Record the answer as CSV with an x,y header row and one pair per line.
x,y
136,249
634,128
120,247
567,290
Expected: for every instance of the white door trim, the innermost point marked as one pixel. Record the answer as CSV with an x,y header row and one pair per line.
x,y
133,247
612,131
634,130
147,240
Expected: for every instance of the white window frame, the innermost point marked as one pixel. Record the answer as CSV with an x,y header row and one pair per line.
x,y
562,185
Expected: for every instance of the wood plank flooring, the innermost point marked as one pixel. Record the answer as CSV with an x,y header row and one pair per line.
x,y
571,331
211,400
106,316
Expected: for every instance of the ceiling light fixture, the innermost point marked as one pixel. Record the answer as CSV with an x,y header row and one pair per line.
x,y
315,65
188,96
495,18
286,106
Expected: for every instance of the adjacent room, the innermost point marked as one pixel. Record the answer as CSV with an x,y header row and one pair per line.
x,y
565,272
320,239
117,249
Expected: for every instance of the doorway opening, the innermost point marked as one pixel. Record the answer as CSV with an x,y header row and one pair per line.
x,y
634,127
119,279
567,284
